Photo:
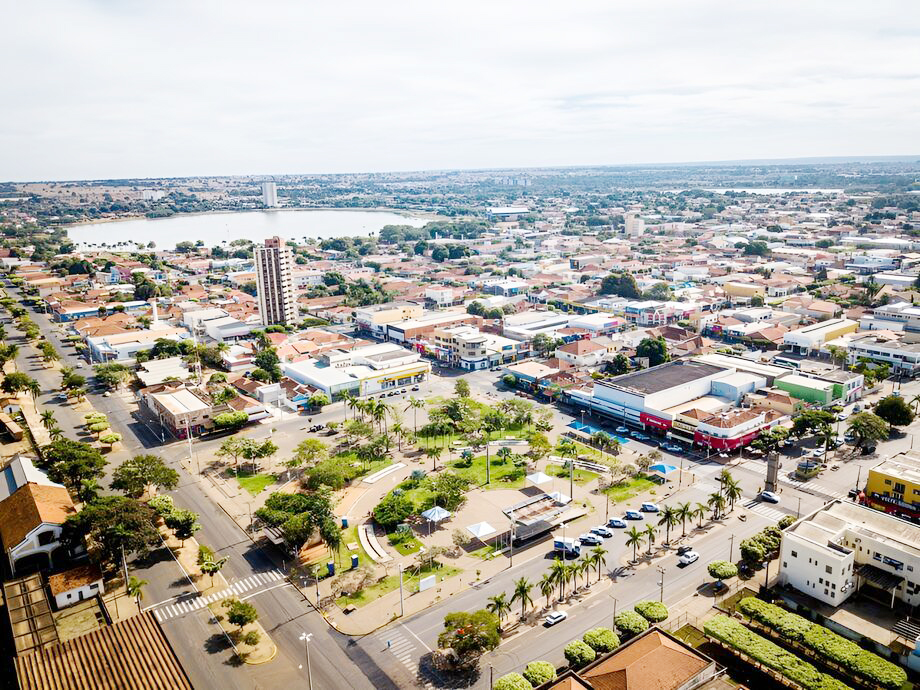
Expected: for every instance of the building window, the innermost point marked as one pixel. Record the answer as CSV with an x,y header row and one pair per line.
x,y
832,595
827,569
795,555
820,580
46,537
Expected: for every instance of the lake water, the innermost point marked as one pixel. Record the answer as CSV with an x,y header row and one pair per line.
x,y
215,228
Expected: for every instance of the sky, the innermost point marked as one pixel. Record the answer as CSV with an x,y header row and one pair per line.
x,y
99,89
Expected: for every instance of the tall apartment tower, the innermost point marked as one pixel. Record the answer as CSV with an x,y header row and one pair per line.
x,y
635,226
269,194
274,263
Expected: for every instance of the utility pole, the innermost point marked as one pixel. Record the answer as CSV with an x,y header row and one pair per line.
x,y
402,609
613,625
511,555
731,547
306,643
798,511
661,583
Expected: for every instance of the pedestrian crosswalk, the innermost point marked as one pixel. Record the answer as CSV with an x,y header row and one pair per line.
x,y
166,610
399,645
765,510
813,487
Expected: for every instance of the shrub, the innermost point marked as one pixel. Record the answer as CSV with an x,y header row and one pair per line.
x,y
393,509
601,640
512,681
826,644
630,623
722,570
162,504
735,635
652,611
252,638
578,654
539,672
785,521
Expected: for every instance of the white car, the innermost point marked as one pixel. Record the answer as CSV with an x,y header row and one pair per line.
x,y
555,617
688,558
769,497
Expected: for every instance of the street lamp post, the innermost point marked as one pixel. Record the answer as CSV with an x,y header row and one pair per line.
x,y
798,511
402,608
614,612
661,583
731,547
305,638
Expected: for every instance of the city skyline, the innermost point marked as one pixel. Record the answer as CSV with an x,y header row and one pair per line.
x,y
132,91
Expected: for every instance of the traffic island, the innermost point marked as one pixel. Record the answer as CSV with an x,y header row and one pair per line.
x,y
251,643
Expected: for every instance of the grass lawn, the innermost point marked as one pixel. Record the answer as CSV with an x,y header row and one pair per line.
x,y
405,546
391,583
420,497
503,473
255,483
581,476
690,635
630,488
426,441
349,535
484,552
592,454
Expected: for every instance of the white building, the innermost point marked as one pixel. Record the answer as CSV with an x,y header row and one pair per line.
x,y
845,547
810,338
269,194
274,264
635,226
75,585
900,356
31,518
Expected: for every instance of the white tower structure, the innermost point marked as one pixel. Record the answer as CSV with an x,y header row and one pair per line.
x,y
274,263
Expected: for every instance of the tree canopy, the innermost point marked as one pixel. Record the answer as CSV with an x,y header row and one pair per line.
x,y
136,475
112,523
894,410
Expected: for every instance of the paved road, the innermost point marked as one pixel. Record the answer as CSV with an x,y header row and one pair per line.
x,y
336,661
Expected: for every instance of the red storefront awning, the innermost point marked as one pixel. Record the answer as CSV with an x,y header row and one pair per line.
x,y
657,422
717,443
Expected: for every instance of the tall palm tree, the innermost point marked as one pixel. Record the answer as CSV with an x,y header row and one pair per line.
x,y
56,433
415,404
684,513
571,574
48,420
499,605
348,402
699,512
521,593
584,567
668,519
732,491
33,388
650,533
434,452
915,401
558,575
634,538
136,589
398,432
599,559
717,503
547,586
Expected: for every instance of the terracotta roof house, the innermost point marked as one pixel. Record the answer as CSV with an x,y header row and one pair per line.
x,y
74,585
30,525
653,660
582,353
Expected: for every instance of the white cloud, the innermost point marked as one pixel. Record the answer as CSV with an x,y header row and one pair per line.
x,y
133,88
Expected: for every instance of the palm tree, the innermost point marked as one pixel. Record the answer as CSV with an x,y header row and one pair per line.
x,y
650,533
558,575
732,492
717,503
915,401
668,519
56,433
634,539
584,567
415,405
699,512
684,512
88,491
599,559
547,586
434,452
499,605
33,388
504,453
521,593
48,420
398,432
211,567
571,573
136,589
348,402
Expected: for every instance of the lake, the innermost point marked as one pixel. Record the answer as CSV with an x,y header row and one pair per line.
x,y
215,228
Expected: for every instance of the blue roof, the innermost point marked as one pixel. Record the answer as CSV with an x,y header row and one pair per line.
x,y
664,469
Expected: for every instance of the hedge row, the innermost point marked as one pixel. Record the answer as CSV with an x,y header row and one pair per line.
x,y
630,623
736,635
829,645
652,611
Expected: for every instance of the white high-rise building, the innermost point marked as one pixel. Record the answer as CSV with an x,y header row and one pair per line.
x,y
269,194
274,263
635,226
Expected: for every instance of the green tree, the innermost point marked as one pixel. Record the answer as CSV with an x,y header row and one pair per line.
x,y
656,349
522,589
71,462
231,420
499,605
812,421
867,429
17,382
136,589
621,284
539,672
112,523
634,538
183,523
143,472
462,388
241,613
601,640
619,364
512,681
578,654
393,509
722,570
470,634
630,623
894,410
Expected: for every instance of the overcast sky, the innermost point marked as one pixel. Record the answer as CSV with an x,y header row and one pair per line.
x,y
118,88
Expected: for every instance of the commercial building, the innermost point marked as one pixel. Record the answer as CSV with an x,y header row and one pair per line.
x,y
893,486
375,318
362,371
811,339
526,325
411,330
469,348
902,357
845,547
274,264
269,194
903,313
807,389
123,347
180,409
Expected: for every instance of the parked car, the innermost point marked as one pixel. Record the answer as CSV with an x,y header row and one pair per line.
x,y
852,493
639,436
769,497
688,558
415,388
842,416
602,531
817,452
633,515
555,617
857,408
590,539
671,448
616,522
649,508
622,430
681,550
868,450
